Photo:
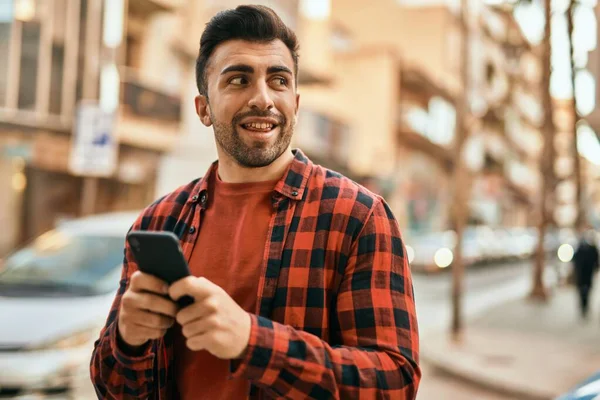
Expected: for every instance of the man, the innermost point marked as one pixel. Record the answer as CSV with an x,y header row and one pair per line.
x,y
585,262
300,282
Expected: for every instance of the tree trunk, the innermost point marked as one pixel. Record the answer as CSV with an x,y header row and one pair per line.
x,y
538,291
579,219
460,180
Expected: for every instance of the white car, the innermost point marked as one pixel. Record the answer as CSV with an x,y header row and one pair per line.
x,y
434,251
55,295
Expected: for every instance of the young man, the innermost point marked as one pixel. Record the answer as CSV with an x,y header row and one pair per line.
x,y
300,282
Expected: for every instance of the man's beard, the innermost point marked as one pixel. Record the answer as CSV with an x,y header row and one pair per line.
x,y
258,154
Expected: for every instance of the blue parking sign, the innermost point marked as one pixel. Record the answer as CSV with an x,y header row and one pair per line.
x,y
94,148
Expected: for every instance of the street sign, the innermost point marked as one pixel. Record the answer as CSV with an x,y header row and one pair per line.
x,y
94,145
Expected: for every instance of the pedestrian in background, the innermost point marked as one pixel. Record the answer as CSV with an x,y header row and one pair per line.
x,y
301,285
585,262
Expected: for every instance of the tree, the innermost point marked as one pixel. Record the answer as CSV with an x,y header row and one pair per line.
x,y
538,291
579,219
459,209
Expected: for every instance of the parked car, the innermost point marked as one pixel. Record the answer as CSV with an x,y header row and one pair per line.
x,y
523,241
434,251
586,390
55,295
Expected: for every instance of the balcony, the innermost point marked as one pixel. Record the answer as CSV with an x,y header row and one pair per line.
x,y
426,116
148,115
146,8
419,84
143,100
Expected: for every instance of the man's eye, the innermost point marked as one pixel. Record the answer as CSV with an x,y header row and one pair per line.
x,y
280,81
239,80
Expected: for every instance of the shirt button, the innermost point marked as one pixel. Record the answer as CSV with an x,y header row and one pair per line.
x,y
203,198
192,229
294,193
195,198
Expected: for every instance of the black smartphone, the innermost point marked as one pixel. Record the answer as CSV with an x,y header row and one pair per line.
x,y
159,253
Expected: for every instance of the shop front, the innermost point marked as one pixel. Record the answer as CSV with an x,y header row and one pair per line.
x,y
38,190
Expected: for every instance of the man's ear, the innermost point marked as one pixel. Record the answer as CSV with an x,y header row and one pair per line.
x,y
203,109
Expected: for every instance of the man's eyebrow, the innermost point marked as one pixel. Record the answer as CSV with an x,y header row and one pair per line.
x,y
238,68
278,68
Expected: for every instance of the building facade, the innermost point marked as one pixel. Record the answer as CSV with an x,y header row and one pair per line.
x,y
55,54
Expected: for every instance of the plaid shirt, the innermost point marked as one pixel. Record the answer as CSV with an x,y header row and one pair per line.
x,y
335,315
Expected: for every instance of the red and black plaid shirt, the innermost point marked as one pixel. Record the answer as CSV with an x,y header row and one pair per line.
x,y
335,316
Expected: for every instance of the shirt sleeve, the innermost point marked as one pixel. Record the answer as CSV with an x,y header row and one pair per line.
x,y
115,374
375,312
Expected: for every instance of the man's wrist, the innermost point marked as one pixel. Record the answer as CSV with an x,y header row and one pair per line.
x,y
131,350
246,337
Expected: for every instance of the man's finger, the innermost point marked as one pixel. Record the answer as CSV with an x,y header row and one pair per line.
x,y
151,320
195,287
197,343
199,327
144,332
142,282
154,303
196,311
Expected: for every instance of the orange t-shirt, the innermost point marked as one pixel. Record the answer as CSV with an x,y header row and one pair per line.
x,y
228,252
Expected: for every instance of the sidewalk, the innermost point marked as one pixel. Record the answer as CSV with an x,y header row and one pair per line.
x,y
523,349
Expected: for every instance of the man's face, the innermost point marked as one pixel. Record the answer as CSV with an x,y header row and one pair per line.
x,y
252,100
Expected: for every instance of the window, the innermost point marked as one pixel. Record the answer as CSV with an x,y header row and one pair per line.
x,y
436,123
341,39
81,53
30,45
6,18
56,78
133,52
5,28
58,56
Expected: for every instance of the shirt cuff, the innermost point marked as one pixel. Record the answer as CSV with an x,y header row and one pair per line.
x,y
266,352
136,363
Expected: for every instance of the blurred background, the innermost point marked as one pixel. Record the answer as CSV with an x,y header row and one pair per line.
x,y
476,120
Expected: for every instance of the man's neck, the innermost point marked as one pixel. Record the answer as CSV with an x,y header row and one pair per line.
x,y
232,172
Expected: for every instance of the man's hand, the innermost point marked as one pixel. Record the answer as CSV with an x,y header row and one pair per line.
x,y
145,311
215,322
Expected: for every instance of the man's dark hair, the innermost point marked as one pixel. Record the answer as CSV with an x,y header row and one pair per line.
x,y
250,22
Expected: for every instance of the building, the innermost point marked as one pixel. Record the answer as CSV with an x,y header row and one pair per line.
x,y
53,55
508,80
408,55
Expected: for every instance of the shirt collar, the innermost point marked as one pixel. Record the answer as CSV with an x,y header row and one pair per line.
x,y
291,185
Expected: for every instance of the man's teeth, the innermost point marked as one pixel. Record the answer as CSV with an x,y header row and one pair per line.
x,y
258,125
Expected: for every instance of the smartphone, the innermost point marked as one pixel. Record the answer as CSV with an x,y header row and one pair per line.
x,y
159,253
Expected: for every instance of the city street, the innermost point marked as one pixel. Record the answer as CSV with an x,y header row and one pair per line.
x,y
485,287
304,135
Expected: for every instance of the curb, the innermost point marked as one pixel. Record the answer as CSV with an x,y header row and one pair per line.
x,y
484,381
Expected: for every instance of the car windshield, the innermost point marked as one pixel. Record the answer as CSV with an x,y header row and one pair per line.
x,y
62,261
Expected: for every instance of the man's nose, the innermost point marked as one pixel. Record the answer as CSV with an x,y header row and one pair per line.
x,y
261,98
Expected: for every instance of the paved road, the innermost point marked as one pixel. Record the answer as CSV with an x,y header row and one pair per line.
x,y
485,287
